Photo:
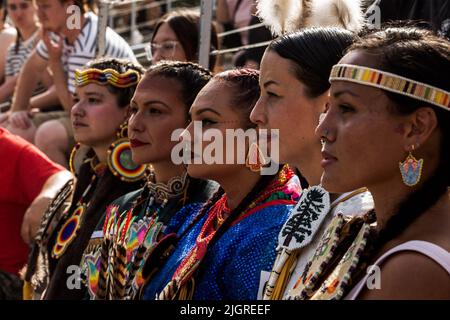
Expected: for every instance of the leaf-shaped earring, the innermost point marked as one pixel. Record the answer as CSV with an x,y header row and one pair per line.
x,y
411,170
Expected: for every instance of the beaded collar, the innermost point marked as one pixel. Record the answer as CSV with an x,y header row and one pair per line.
x,y
174,188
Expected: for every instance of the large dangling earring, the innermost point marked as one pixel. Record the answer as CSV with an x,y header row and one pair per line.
x,y
72,158
255,159
119,158
411,169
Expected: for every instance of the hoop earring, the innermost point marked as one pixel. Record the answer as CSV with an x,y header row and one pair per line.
x,y
119,158
411,169
72,157
255,159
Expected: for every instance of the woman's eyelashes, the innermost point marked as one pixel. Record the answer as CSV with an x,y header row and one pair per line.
x,y
207,122
150,110
94,100
346,108
155,111
272,94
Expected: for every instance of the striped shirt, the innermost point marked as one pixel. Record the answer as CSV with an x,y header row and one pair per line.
x,y
15,61
84,48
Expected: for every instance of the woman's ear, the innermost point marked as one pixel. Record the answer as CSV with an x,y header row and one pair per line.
x,y
420,126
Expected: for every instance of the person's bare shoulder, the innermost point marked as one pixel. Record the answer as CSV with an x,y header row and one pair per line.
x,y
412,276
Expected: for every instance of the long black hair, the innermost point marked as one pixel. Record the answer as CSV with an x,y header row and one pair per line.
x,y
313,52
416,54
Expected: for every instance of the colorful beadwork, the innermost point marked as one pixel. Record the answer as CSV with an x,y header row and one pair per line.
x,y
391,82
68,232
103,77
411,170
121,164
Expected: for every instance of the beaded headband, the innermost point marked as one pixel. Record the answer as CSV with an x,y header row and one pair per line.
x,y
103,77
391,82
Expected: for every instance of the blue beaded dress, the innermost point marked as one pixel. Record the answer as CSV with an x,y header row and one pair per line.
x,y
232,266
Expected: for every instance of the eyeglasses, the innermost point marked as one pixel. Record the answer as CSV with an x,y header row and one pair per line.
x,y
166,49
14,7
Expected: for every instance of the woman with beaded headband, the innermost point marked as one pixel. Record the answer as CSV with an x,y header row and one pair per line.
x,y
103,91
388,124
294,92
113,261
222,249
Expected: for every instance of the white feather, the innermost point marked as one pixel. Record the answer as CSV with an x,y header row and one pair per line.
x,y
288,15
280,15
340,13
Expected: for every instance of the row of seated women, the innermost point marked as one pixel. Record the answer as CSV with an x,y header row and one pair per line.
x,y
363,126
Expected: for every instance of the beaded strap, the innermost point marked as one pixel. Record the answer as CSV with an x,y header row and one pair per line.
x,y
391,82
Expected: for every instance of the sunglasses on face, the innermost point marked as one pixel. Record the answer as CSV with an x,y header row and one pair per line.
x,y
21,6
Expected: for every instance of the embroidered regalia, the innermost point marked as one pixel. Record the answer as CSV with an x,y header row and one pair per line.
x,y
213,263
113,261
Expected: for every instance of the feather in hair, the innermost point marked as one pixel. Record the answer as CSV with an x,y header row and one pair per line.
x,y
346,14
284,16
280,15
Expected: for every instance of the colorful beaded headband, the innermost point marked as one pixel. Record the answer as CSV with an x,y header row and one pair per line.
x,y
391,82
103,77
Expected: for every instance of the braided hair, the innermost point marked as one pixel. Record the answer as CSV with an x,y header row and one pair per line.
x,y
246,90
419,55
191,76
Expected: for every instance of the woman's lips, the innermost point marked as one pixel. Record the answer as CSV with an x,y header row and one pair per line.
x,y
78,124
135,143
327,159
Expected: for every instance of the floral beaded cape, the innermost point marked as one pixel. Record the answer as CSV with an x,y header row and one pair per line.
x,y
232,266
103,279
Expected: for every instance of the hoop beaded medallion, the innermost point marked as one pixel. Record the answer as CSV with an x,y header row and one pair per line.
x,y
121,164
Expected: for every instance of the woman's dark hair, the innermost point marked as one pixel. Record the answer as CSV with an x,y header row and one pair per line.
x,y
19,36
191,76
124,95
313,52
5,10
186,25
245,84
416,54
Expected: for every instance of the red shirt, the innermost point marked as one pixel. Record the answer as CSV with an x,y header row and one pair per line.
x,y
23,172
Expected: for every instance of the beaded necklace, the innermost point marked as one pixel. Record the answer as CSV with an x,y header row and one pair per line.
x,y
126,241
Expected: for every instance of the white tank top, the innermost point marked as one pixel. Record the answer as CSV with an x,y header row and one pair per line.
x,y
438,254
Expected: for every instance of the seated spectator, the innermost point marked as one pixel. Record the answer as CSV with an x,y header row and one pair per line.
x,y
63,49
23,15
176,38
29,182
7,37
235,14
